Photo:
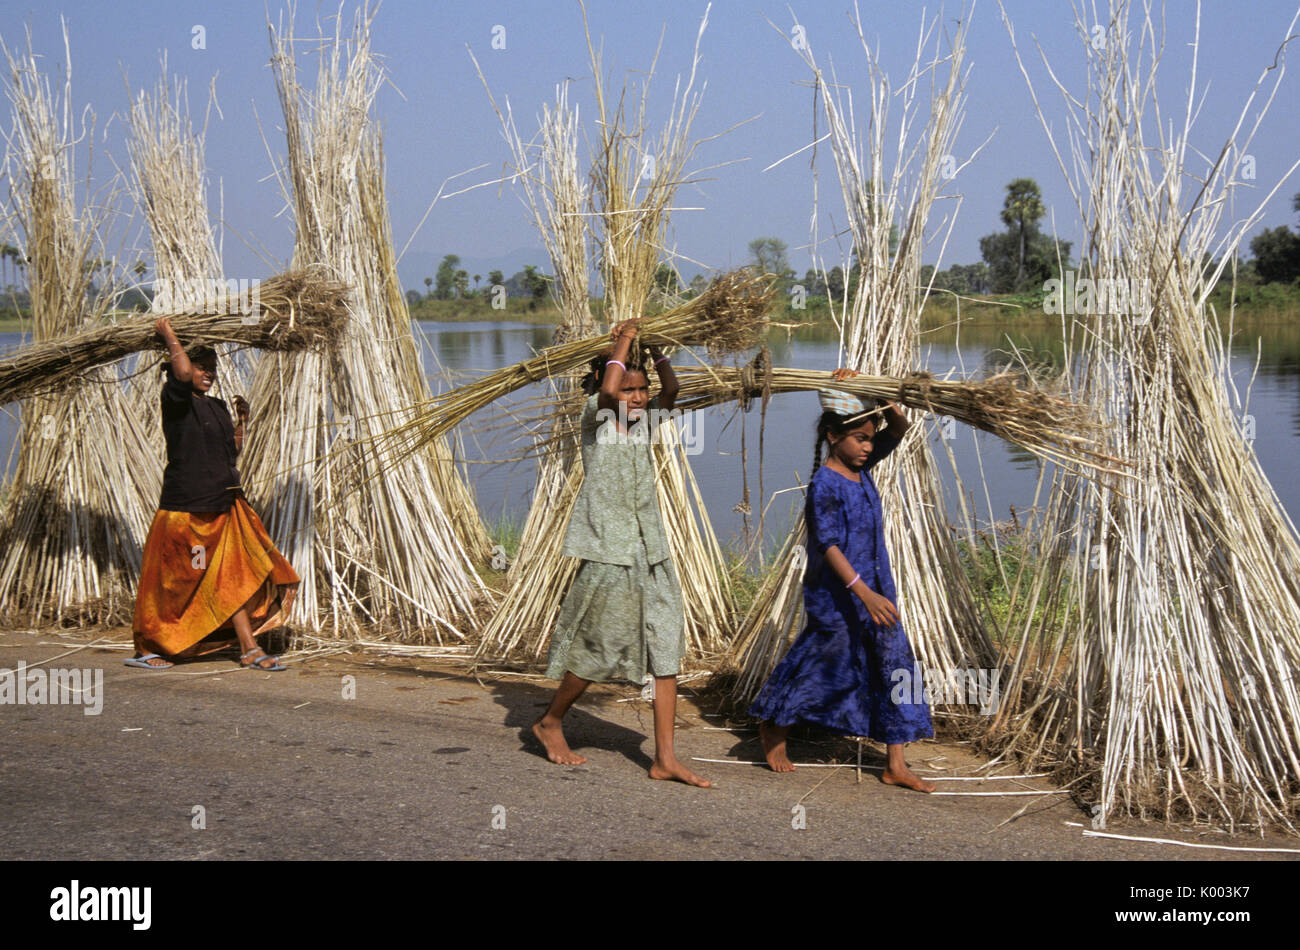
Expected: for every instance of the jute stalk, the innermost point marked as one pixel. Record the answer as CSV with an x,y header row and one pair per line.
x,y
170,182
729,317
375,544
76,510
1166,684
287,313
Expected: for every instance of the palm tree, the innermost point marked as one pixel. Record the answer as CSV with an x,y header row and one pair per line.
x,y
1021,211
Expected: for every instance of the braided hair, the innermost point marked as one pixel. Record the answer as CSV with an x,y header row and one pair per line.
x,y
827,423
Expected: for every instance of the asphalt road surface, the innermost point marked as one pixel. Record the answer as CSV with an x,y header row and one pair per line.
x,y
207,761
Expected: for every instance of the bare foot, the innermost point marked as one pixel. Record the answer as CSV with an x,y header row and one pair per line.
x,y
907,779
675,771
557,750
774,747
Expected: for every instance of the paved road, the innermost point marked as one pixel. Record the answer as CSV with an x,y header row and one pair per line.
x,y
426,763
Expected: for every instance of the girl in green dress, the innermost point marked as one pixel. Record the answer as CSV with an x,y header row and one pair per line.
x,y
622,618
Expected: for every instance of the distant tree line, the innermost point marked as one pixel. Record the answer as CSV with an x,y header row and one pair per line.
x,y
1277,252
1021,258
452,282
1016,260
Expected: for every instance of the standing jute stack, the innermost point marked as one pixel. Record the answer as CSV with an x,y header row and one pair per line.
x,y
170,184
1158,660
636,178
374,544
87,479
404,353
634,181
557,198
886,195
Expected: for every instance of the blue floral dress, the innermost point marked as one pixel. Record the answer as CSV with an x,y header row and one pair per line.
x,y
845,672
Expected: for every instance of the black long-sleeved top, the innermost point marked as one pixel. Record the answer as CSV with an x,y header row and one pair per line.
x,y
200,434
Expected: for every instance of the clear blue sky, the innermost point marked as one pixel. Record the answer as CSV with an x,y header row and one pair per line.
x,y
441,123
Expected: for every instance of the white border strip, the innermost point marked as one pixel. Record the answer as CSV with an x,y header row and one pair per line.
x,y
1190,844
880,768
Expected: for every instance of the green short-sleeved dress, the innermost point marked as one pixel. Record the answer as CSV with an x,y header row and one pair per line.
x,y
623,617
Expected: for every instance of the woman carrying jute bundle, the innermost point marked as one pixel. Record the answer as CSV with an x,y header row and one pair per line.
x,y
623,616
208,564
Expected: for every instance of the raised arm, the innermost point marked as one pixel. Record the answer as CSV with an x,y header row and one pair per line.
x,y
623,334
668,386
898,421
181,366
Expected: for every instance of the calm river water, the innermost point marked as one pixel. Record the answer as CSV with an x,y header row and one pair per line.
x,y
461,351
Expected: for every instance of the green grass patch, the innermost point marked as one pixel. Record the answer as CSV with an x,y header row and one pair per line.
x,y
994,592
1264,303
507,531
480,309
745,582
12,324
743,573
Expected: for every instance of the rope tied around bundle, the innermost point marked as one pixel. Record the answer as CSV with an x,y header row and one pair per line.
x,y
756,380
920,384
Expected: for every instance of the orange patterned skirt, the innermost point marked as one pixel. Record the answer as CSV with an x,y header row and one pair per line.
x,y
198,570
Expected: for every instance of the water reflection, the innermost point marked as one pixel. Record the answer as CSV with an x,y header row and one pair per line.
x,y
11,418
479,346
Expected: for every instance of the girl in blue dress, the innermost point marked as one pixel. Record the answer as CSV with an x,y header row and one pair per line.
x,y
841,672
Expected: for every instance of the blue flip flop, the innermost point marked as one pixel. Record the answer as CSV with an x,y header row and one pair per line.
x,y
142,662
256,664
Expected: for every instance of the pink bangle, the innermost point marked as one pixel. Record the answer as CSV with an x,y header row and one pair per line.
x,y
609,363
856,578
660,360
